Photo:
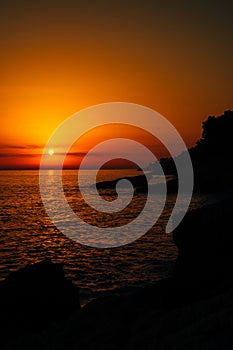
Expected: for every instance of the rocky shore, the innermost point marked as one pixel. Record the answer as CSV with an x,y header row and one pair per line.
x,y
139,183
192,310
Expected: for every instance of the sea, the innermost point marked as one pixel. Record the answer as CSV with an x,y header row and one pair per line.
x,y
28,235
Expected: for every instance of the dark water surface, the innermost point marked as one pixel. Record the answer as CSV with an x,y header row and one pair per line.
x,y
27,235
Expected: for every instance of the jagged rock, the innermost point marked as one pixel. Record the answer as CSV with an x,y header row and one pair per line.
x,y
35,296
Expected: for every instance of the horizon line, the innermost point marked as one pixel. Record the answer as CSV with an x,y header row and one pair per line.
x,y
69,168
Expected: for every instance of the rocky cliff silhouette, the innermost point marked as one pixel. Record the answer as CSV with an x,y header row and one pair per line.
x,y
211,156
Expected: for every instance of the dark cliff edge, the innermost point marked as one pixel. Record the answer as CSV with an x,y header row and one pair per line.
x,y
211,159
205,242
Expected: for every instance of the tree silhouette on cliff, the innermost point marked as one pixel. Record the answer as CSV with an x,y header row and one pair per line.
x,y
217,138
211,156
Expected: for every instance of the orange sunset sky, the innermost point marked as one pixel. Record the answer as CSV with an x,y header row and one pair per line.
x,y
58,57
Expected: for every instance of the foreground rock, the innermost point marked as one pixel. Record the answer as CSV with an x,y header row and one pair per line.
x,y
168,316
205,242
34,297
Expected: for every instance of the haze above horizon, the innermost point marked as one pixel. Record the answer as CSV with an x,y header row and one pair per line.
x,y
59,57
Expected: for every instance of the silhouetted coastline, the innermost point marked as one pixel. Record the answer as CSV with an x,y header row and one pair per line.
x,y
211,158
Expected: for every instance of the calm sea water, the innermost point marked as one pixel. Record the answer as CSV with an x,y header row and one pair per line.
x,y
27,235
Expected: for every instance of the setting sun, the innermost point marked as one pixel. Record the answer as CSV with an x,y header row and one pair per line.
x,y
51,152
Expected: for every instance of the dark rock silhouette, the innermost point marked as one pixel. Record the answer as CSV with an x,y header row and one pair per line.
x,y
139,183
33,297
211,157
205,242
